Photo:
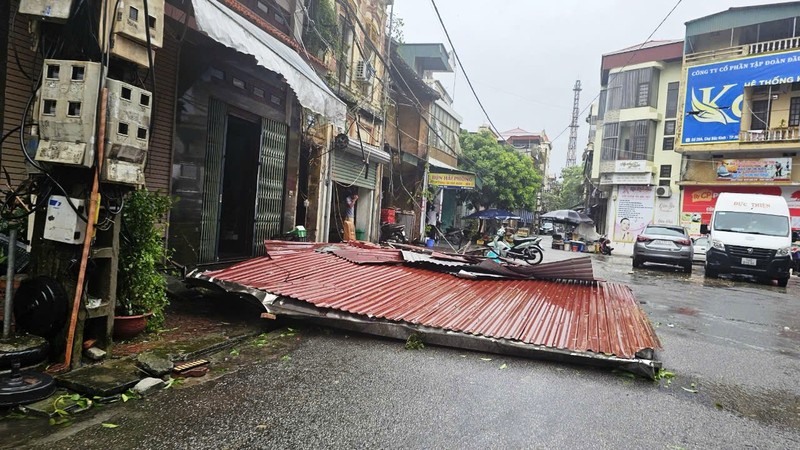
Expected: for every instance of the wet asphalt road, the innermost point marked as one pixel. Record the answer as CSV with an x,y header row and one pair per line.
x,y
736,343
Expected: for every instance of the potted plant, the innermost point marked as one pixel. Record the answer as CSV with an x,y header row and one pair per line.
x,y
141,287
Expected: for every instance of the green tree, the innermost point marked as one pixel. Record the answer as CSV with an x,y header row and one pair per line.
x,y
321,32
510,179
566,192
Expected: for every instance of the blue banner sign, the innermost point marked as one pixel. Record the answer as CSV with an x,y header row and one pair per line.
x,y
715,93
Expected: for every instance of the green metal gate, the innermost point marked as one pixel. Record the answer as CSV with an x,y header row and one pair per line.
x,y
212,181
271,181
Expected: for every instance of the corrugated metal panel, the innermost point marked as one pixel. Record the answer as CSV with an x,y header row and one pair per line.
x,y
414,257
350,171
742,17
369,256
17,92
209,225
594,317
270,183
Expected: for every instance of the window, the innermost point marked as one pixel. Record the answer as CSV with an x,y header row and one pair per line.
x,y
672,101
665,171
601,105
643,94
666,182
669,128
343,69
608,151
632,88
794,112
759,115
668,144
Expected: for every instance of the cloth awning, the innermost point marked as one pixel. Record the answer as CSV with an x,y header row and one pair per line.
x,y
234,31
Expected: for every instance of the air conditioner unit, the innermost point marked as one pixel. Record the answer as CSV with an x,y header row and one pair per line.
x,y
364,71
663,191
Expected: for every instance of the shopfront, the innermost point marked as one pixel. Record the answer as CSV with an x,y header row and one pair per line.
x,y
698,202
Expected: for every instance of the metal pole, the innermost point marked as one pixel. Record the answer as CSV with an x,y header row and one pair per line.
x,y
12,247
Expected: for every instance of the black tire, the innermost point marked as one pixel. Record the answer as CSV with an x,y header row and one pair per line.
x,y
782,282
711,273
687,268
637,262
533,255
27,357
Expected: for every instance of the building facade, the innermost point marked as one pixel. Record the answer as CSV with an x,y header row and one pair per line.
x,y
739,127
535,145
635,169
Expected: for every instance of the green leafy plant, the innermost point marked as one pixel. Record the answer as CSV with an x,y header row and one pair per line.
x,y
414,342
321,34
141,287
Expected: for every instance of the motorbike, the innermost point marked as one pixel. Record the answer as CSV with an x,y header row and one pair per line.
x,y
527,249
605,246
393,232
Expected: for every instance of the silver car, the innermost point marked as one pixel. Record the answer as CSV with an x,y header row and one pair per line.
x,y
700,245
664,244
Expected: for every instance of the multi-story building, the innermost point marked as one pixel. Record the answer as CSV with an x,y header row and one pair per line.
x,y
439,144
535,145
634,162
739,127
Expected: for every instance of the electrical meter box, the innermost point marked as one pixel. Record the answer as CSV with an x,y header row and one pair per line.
x,y
129,20
127,133
67,112
51,10
63,224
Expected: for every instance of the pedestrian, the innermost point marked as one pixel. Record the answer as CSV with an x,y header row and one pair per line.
x,y
349,218
432,221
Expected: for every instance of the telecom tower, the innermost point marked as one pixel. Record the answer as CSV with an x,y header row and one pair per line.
x,y
573,126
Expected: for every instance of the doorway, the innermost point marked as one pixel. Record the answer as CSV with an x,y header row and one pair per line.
x,y
238,196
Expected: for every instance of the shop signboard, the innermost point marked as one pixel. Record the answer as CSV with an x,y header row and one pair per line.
x,y
763,169
715,93
452,180
634,212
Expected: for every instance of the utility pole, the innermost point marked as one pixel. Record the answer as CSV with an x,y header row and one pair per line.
x,y
573,126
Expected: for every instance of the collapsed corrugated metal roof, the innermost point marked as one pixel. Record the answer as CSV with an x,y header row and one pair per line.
x,y
578,319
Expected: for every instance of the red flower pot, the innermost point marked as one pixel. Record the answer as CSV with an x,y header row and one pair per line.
x,y
128,327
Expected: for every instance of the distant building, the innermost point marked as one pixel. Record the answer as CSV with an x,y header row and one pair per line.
x,y
536,145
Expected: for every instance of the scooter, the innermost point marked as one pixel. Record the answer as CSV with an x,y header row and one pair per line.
x,y
605,246
393,232
527,249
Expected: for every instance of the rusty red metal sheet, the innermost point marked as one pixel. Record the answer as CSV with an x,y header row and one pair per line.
x,y
582,316
369,256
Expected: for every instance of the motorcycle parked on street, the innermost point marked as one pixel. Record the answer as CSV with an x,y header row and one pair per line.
x,y
527,249
605,246
393,232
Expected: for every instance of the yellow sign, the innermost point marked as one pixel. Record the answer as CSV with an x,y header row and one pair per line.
x,y
460,180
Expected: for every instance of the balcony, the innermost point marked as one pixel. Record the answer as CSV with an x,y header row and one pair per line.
x,y
785,134
739,51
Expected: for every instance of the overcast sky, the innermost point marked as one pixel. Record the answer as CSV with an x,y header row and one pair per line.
x,y
523,56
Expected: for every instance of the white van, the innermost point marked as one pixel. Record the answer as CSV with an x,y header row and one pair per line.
x,y
750,234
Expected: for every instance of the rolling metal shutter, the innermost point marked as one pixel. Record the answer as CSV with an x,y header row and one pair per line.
x,y
350,171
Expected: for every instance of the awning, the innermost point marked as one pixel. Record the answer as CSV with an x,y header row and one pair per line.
x,y
234,31
375,154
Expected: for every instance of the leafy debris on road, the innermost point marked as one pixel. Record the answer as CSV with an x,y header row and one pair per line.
x,y
414,342
504,366
109,425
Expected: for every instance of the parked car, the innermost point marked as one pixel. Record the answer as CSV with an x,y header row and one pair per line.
x,y
664,244
546,228
700,246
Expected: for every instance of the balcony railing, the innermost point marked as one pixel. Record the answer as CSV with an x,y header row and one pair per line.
x,y
773,135
774,46
742,50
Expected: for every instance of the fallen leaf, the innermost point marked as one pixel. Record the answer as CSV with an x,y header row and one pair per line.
x,y
486,359
125,398
504,366
235,352
693,391
109,425
261,427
